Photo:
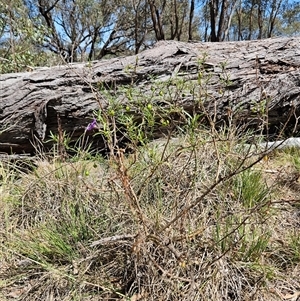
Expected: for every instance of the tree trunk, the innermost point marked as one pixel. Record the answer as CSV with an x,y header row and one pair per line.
x,y
246,82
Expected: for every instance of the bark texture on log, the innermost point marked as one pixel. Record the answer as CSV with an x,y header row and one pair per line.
x,y
242,76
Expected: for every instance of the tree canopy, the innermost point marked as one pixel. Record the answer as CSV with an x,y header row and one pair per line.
x,y
47,32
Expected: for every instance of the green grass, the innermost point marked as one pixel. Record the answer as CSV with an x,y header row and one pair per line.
x,y
181,219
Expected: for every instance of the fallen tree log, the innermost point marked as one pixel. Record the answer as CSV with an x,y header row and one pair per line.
x,y
249,82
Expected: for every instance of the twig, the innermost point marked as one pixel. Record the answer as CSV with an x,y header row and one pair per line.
x,y
112,239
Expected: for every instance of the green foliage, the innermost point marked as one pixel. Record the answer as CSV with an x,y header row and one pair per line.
x,y
20,38
137,115
293,156
57,239
250,189
295,246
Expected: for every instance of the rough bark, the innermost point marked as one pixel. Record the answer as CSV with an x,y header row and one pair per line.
x,y
240,77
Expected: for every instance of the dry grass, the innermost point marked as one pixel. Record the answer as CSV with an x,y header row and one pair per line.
x,y
186,219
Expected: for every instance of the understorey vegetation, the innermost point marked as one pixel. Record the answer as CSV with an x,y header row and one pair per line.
x,y
204,213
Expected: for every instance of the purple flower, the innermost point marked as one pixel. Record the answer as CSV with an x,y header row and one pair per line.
x,y
92,125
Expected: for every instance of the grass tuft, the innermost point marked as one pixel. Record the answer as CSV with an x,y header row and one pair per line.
x,y
180,219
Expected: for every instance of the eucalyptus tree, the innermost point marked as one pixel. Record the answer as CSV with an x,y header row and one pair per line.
x,y
248,19
132,28
191,17
75,27
174,19
157,9
142,23
19,39
290,18
221,13
259,19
